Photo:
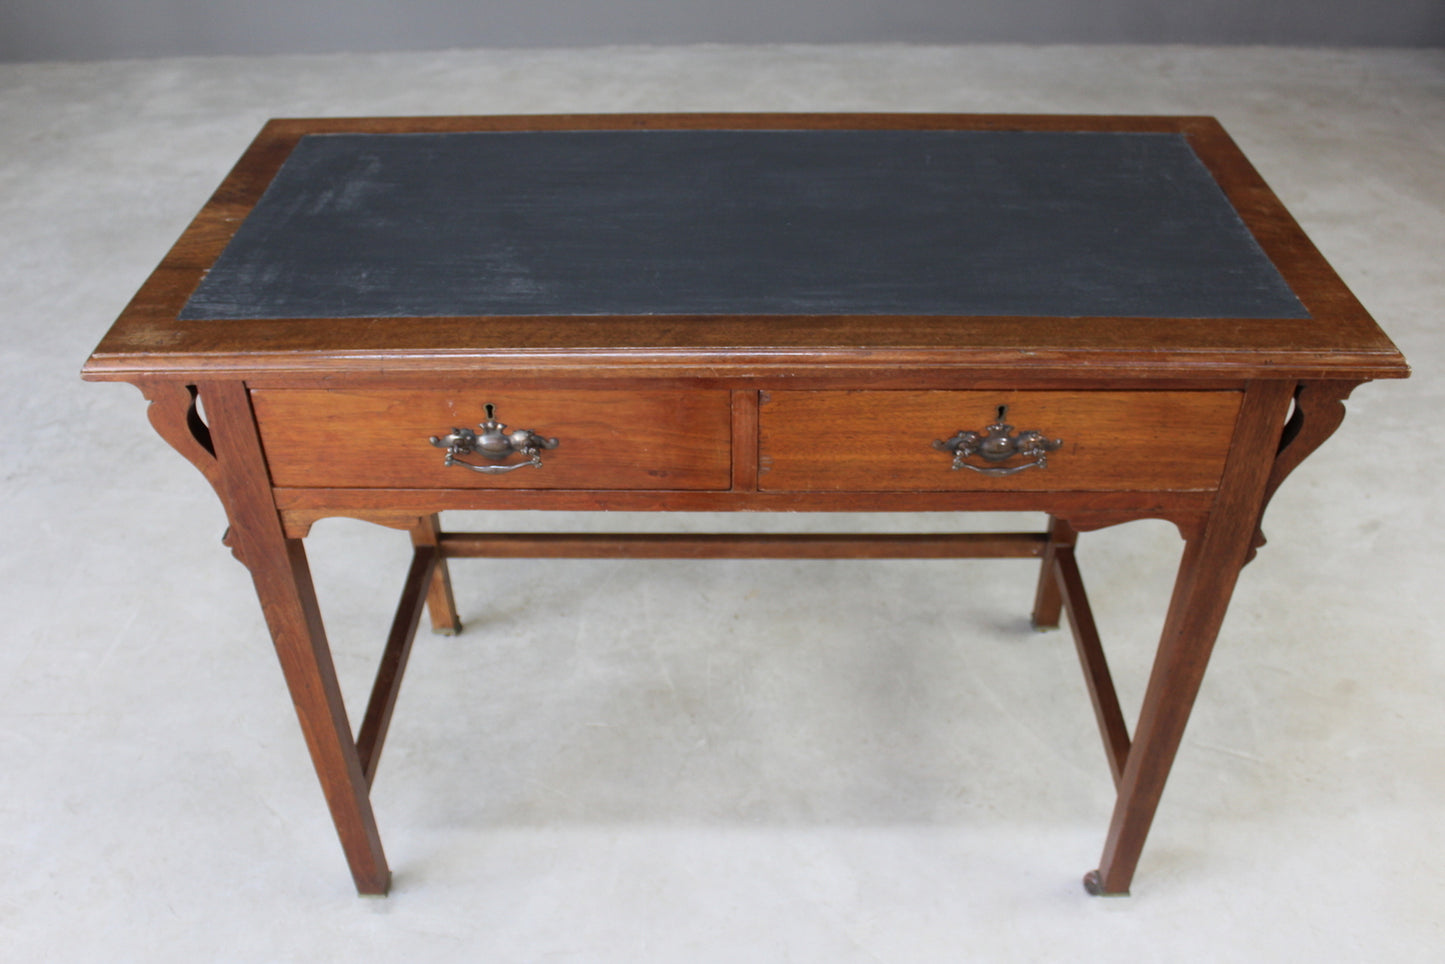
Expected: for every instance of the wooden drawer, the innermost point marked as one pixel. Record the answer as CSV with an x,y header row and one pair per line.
x,y
606,439
877,441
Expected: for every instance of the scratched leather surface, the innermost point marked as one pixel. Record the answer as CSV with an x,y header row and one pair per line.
x,y
743,222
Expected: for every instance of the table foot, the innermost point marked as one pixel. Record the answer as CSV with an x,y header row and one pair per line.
x,y
1094,884
380,887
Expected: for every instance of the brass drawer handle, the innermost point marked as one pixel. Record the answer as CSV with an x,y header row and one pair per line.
x,y
995,444
493,442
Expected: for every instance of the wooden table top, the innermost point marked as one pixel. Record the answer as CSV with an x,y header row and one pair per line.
x,y
743,245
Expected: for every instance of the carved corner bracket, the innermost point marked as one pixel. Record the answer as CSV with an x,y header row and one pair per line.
x,y
1188,522
298,522
1319,408
174,413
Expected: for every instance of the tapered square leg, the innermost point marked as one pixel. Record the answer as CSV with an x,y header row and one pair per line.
x,y
288,599
1208,571
1048,602
441,606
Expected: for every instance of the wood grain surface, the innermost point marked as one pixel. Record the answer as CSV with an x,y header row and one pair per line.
x,y
1338,339
883,441
606,440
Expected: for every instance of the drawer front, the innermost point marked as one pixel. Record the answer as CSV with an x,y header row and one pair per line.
x,y
876,441
605,439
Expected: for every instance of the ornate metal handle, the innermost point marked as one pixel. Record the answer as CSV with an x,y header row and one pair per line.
x,y
995,444
493,442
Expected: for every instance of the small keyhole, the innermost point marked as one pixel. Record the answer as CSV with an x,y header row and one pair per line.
x,y
491,410
1002,412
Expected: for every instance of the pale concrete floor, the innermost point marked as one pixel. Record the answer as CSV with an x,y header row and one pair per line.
x,y
715,761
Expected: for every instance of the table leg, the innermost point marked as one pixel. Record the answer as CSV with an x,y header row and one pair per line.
x,y
1207,573
283,584
440,604
1048,601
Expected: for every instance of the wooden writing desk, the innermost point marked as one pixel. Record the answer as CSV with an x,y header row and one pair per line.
x,y
1099,318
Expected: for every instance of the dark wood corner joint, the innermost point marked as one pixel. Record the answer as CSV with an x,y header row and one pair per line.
x,y
1101,319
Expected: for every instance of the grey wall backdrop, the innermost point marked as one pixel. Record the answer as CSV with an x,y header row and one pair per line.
x,y
106,29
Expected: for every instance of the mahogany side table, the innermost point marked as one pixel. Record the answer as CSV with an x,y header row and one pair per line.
x,y
1098,318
